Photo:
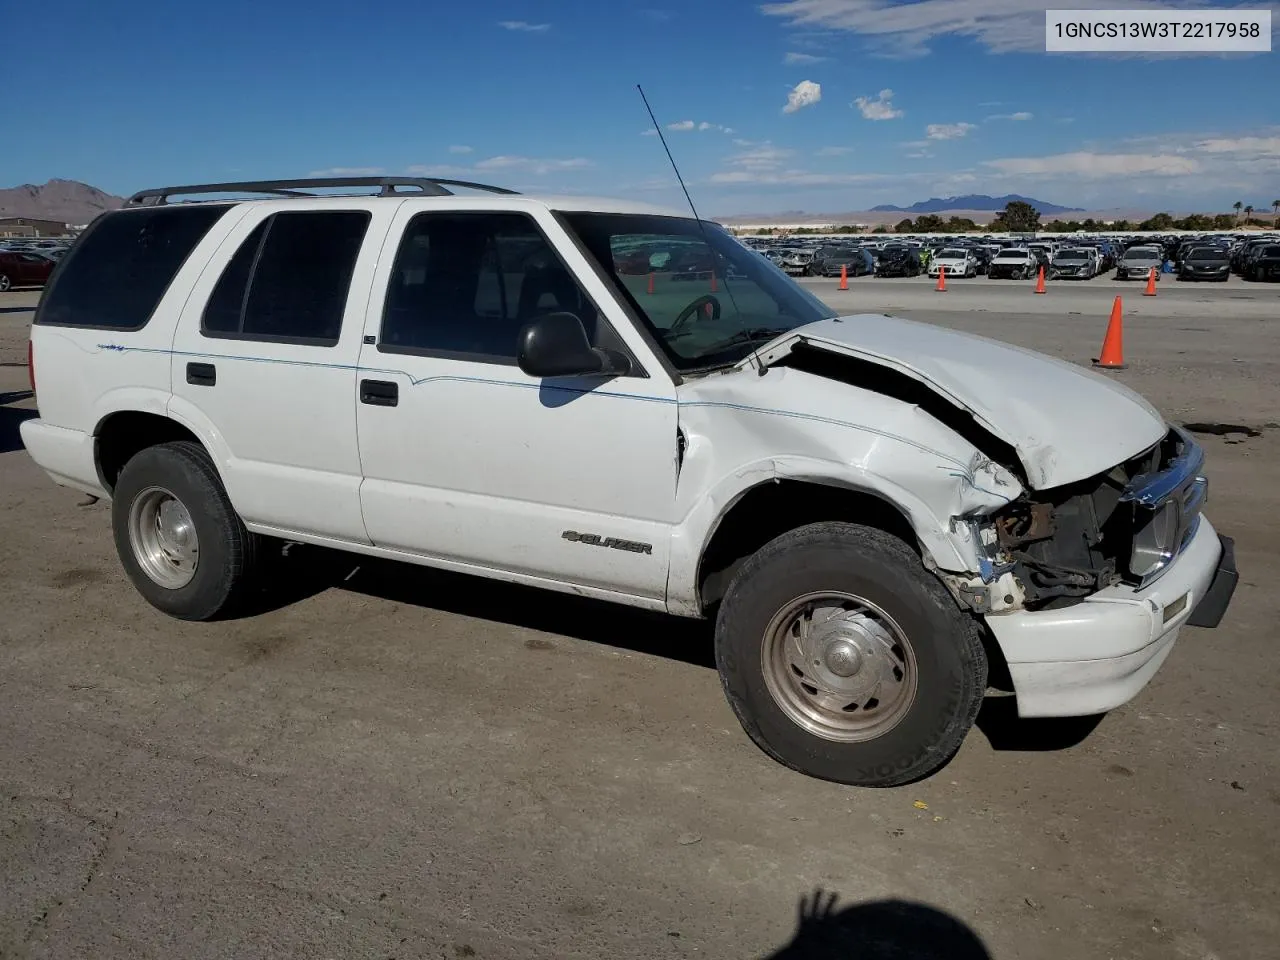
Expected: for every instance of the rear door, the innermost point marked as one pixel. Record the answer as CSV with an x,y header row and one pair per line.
x,y
264,359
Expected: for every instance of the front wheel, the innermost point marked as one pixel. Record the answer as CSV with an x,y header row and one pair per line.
x,y
5,282
846,660
178,536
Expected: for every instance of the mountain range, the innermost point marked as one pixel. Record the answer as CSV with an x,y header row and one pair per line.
x,y
64,201
974,201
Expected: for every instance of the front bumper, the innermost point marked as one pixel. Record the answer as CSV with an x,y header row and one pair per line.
x,y
1098,654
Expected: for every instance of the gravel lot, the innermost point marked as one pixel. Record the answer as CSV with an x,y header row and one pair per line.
x,y
400,763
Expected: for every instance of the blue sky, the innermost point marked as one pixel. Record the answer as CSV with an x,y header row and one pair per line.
x,y
817,105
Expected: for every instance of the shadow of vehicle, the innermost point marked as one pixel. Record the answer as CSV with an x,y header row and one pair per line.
x,y
30,309
1005,730
10,417
303,571
877,930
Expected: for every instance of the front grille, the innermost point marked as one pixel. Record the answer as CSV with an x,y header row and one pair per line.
x,y
1171,473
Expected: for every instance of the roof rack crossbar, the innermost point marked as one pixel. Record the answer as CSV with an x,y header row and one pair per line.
x,y
388,187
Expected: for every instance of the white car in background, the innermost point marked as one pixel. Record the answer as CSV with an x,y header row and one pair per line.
x,y
957,261
1012,263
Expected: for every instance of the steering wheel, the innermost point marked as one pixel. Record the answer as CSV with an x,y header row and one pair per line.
x,y
693,309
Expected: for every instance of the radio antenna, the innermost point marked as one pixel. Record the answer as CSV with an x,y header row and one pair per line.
x,y
702,227
658,128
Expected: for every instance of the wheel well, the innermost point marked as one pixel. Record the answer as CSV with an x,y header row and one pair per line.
x,y
121,435
773,508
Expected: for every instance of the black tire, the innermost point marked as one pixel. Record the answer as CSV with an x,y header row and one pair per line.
x,y
951,664
227,552
6,284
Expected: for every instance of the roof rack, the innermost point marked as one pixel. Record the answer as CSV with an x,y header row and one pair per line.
x,y
388,187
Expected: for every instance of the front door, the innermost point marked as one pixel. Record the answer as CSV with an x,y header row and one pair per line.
x,y
472,463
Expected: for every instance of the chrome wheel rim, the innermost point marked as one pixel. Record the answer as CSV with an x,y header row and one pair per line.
x,y
5,283
163,538
839,667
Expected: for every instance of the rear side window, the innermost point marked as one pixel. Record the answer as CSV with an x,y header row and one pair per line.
x,y
288,281
117,272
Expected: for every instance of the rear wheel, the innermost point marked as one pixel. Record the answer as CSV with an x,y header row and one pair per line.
x,y
177,535
5,282
846,660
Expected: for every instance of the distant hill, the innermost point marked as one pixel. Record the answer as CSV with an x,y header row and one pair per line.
x,y
973,201
65,201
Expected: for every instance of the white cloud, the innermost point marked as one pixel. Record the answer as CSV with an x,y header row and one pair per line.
x,y
532,164
651,132
793,59
834,151
522,26
918,155
948,131
459,148
1020,115
348,172
805,94
658,16
1082,165
1252,147
879,107
761,156
905,28
683,126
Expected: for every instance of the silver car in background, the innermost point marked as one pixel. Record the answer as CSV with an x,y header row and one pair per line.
x,y
1136,263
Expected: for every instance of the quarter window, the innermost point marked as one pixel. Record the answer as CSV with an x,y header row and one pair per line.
x,y
288,282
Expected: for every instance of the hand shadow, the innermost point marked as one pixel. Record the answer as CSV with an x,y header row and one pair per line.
x,y
878,930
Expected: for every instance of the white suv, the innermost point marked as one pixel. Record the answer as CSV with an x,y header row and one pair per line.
x,y
616,401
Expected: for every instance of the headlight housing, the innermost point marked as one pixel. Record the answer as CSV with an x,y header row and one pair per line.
x,y
1155,540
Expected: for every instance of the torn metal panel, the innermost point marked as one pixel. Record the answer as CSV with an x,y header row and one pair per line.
x,y
1065,422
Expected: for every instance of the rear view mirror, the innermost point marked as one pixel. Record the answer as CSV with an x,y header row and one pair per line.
x,y
556,345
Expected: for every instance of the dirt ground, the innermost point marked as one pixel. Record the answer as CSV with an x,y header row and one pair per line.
x,y
398,763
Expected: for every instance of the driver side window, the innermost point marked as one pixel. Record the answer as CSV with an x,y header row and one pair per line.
x,y
463,285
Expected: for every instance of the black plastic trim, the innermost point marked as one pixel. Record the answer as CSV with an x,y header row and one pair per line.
x,y
1213,605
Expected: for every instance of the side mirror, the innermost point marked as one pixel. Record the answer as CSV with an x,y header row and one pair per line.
x,y
556,345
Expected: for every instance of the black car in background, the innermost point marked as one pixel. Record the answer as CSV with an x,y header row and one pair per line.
x,y
899,261
1204,263
856,262
1263,263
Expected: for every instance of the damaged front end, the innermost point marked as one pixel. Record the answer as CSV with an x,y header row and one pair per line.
x,y
1124,526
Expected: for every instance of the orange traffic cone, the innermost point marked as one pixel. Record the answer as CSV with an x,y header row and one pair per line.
x,y
844,277
1151,284
1040,281
942,278
713,281
651,281
1113,343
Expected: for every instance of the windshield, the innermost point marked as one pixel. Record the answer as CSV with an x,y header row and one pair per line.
x,y
1207,253
1072,255
951,254
1142,253
1011,255
755,301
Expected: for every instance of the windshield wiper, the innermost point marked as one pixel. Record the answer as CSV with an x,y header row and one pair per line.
x,y
749,335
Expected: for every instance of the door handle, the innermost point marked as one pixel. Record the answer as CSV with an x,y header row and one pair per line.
x,y
202,374
379,393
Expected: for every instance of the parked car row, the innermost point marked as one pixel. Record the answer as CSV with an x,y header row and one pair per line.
x,y
28,262
1207,257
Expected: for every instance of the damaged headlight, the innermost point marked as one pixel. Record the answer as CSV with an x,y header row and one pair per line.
x,y
1155,540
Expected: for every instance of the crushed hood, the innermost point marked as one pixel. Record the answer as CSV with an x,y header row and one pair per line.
x,y
1065,422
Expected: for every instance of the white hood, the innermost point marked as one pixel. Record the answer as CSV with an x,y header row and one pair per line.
x,y
1065,422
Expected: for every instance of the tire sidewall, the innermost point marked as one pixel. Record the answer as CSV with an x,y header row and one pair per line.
x,y
189,481
945,699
